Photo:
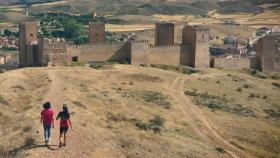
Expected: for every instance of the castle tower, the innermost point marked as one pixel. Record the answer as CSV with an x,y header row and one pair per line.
x,y
27,36
96,33
268,52
164,34
198,38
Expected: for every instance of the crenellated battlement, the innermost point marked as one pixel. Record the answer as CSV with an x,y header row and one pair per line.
x,y
140,42
55,46
166,46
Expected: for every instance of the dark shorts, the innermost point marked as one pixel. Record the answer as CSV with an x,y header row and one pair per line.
x,y
63,129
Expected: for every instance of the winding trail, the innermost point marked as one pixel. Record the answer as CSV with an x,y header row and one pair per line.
x,y
200,124
78,144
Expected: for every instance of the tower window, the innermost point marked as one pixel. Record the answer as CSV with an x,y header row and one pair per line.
x,y
96,34
31,34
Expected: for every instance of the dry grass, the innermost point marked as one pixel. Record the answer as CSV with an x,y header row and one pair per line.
x,y
123,105
256,95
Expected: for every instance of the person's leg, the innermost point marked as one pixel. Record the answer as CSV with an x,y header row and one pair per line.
x,y
45,132
65,132
60,136
65,138
49,131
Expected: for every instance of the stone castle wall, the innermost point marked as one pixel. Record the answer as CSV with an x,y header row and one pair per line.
x,y
185,56
56,54
168,54
140,53
234,63
101,52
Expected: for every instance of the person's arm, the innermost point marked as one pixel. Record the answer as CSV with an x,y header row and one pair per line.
x,y
53,121
70,123
57,117
41,117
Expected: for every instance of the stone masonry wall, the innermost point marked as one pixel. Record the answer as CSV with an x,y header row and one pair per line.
x,y
164,34
185,55
202,56
168,55
101,52
56,54
239,63
96,33
27,34
140,53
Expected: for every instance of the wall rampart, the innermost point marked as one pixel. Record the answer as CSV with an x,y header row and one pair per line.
x,y
233,63
168,55
140,52
101,52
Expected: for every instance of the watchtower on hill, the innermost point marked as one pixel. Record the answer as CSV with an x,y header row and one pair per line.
x,y
96,33
164,34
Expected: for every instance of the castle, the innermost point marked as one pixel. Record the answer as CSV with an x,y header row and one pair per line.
x,y
193,51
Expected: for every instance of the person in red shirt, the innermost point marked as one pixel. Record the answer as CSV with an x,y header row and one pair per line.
x,y
47,120
64,117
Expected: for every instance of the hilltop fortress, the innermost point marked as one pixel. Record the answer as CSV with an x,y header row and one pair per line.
x,y
193,51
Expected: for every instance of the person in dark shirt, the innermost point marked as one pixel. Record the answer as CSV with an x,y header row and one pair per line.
x,y
64,117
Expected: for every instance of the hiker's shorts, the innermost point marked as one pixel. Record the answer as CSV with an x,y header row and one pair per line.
x,y
63,130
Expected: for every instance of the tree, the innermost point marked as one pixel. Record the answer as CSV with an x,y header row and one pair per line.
x,y
72,29
45,32
7,32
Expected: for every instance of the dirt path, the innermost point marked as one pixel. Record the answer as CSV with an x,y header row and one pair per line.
x,y
200,124
78,144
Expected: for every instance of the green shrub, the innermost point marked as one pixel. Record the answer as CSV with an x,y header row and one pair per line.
x,y
275,76
154,124
256,73
220,149
3,101
246,86
96,66
273,112
252,95
276,84
2,151
142,125
180,69
29,141
219,103
239,89
27,128
155,97
157,120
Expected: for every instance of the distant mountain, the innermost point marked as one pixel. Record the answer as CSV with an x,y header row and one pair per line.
x,y
143,7
8,2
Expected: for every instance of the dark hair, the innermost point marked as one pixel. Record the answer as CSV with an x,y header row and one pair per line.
x,y
65,109
47,105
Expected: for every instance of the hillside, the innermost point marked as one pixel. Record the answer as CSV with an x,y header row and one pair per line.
x,y
127,111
